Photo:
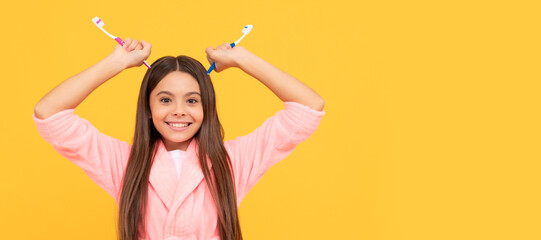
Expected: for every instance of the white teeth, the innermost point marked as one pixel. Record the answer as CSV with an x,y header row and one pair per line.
x,y
178,124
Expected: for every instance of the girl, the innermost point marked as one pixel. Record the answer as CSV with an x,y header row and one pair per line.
x,y
179,179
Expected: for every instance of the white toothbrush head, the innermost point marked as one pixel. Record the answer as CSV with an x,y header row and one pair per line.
x,y
245,32
99,23
247,29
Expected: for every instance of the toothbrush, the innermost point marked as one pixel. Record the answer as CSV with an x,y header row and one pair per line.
x,y
245,30
99,23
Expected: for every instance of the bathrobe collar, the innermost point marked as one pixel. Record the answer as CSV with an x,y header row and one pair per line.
x,y
163,175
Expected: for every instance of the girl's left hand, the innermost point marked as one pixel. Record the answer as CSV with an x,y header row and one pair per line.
x,y
225,56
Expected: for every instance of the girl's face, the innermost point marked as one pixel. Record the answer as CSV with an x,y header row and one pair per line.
x,y
177,111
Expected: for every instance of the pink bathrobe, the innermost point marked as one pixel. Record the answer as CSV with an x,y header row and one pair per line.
x,y
179,209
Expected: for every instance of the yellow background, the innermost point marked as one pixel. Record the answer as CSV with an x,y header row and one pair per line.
x,y
431,128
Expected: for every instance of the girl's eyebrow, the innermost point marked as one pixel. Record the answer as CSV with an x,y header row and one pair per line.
x,y
185,95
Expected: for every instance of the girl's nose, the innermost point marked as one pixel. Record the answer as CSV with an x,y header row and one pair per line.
x,y
179,111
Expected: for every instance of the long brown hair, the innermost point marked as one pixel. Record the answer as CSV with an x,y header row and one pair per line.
x,y
133,198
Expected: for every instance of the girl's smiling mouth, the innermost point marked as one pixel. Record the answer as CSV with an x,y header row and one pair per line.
x,y
178,125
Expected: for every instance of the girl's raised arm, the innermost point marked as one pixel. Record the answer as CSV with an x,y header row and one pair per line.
x,y
70,93
285,86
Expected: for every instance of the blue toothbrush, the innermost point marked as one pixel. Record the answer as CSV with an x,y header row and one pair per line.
x,y
245,30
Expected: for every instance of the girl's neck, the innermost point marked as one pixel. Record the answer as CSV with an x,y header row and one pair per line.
x,y
171,146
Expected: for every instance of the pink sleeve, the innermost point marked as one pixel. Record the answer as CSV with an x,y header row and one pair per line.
x,y
101,157
252,155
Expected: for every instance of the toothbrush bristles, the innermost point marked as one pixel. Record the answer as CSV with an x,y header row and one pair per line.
x,y
247,29
98,22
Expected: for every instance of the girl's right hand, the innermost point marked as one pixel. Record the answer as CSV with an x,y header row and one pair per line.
x,y
132,53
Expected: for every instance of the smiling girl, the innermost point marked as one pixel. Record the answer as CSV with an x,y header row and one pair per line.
x,y
179,179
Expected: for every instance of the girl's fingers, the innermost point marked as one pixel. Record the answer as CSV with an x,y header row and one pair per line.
x,y
127,42
139,46
210,51
224,46
133,44
146,47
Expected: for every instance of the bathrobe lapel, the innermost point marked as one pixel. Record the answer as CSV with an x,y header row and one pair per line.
x,y
164,180
162,175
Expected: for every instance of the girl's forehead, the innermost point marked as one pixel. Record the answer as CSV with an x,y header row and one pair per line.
x,y
177,83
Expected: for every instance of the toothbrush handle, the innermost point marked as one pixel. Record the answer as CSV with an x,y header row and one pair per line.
x,y
146,64
119,40
214,64
211,68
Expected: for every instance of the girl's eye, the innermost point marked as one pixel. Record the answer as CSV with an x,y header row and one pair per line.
x,y
192,100
165,100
